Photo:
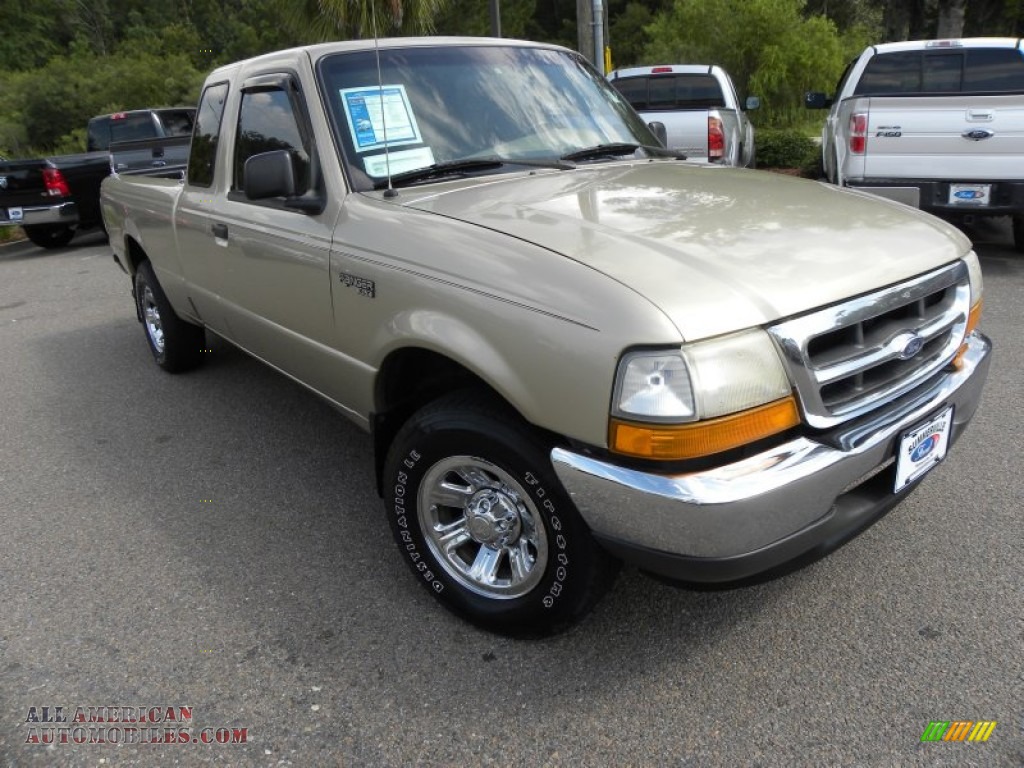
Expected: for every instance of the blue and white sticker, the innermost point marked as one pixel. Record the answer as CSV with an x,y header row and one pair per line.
x,y
379,115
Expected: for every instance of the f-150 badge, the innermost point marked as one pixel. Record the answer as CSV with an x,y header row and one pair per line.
x,y
363,286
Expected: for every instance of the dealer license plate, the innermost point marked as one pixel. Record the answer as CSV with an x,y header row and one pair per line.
x,y
14,214
970,194
922,448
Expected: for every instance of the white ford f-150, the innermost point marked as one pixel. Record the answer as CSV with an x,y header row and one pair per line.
x,y
936,124
571,347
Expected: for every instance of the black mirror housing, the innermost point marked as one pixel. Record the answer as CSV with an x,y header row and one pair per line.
x,y
269,174
658,129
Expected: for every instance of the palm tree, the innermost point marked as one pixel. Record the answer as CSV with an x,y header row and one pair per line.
x,y
323,20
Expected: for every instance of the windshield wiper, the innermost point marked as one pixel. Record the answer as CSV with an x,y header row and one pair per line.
x,y
461,167
601,150
664,152
620,148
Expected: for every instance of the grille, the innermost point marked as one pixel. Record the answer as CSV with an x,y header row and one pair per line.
x,y
849,359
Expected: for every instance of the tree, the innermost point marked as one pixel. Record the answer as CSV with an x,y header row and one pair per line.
x,y
324,20
767,46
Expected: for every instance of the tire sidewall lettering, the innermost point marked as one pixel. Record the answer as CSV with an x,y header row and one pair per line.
x,y
401,518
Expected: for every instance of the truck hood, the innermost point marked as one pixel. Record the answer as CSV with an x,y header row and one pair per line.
x,y
716,249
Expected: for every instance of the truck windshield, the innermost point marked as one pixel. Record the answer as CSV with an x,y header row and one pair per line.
x,y
435,106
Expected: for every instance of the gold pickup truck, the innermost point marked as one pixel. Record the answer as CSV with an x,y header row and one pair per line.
x,y
572,348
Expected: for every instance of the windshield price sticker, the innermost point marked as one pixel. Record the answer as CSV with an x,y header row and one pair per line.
x,y
379,115
970,194
14,214
923,448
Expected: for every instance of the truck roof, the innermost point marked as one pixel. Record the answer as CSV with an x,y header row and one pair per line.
x,y
659,69
319,50
966,42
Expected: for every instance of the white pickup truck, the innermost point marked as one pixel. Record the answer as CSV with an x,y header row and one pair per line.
x,y
571,347
698,105
936,124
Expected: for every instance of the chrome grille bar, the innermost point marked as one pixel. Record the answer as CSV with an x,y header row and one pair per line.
x,y
847,359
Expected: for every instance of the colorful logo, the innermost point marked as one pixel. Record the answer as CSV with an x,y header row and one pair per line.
x,y
958,730
968,194
925,447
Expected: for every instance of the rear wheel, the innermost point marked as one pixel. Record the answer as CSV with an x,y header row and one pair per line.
x,y
50,235
484,524
175,343
1018,232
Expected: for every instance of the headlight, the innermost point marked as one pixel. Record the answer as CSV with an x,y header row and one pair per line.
x,y
974,316
655,386
704,398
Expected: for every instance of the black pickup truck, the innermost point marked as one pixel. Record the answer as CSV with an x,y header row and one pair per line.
x,y
51,198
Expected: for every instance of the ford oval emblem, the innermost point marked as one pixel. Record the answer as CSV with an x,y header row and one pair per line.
x,y
924,448
978,134
908,345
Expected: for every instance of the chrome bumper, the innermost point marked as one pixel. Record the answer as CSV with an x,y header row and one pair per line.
x,y
738,520
62,213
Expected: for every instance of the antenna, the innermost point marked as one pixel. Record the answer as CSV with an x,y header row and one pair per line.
x,y
390,191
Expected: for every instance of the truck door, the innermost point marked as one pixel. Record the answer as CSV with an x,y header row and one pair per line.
x,y
276,287
201,265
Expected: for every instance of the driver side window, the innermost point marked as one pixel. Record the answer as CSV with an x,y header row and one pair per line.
x,y
267,122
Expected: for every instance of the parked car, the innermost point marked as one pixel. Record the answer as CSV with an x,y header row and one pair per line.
x,y
698,106
570,347
53,197
936,124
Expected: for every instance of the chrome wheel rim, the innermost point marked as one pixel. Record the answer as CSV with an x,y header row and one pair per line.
x,y
482,527
151,317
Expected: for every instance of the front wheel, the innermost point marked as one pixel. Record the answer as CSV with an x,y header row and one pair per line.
x,y
484,524
50,235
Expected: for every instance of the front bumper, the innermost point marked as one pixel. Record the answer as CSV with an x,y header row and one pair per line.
x,y
793,502
60,213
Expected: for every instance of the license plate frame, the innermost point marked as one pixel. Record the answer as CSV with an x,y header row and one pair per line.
x,y
15,214
979,195
922,448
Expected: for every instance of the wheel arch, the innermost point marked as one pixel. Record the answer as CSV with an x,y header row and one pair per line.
x,y
408,379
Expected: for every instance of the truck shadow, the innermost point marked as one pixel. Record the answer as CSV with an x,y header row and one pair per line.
x,y
266,497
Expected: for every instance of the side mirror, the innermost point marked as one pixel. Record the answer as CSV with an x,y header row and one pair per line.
x,y
816,100
753,102
269,174
658,129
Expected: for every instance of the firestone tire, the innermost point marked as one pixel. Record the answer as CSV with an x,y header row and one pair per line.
x,y
50,235
1018,232
175,343
481,519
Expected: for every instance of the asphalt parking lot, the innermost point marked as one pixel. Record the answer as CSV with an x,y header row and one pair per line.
x,y
213,542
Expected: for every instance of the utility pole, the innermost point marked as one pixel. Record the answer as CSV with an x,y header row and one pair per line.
x,y
495,18
585,29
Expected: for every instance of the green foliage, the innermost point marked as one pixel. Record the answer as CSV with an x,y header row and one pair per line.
x,y
628,35
46,110
319,21
768,46
787,148
473,17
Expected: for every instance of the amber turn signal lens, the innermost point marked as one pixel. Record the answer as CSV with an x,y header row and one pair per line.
x,y
973,318
703,438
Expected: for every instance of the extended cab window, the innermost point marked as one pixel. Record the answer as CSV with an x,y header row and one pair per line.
x,y
267,122
203,156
